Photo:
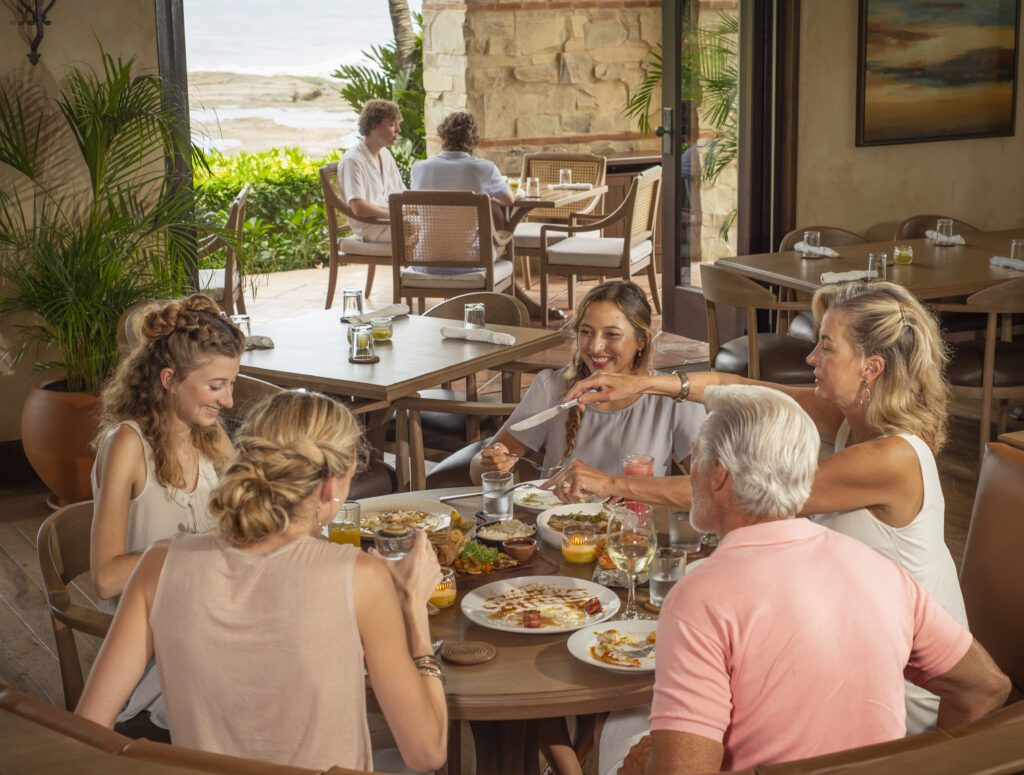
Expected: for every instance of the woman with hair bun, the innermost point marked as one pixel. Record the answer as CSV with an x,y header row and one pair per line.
x,y
260,631
158,448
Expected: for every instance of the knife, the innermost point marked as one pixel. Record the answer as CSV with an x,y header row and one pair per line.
x,y
542,417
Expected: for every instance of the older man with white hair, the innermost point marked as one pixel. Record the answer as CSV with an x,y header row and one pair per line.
x,y
792,640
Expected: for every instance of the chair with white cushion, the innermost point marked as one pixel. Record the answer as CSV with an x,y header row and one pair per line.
x,y
606,256
350,249
212,282
586,168
451,231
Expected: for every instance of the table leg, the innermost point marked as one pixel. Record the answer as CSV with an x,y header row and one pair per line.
x,y
506,747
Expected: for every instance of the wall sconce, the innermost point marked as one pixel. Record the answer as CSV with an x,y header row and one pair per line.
x,y
36,16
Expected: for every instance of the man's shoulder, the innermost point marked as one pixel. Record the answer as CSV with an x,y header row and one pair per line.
x,y
354,154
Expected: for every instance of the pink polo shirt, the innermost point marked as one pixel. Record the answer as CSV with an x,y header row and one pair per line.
x,y
792,641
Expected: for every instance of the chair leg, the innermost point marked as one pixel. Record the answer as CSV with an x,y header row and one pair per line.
x,y
402,449
70,665
240,301
370,270
543,298
571,279
652,276
986,425
332,282
527,274
417,462
1003,418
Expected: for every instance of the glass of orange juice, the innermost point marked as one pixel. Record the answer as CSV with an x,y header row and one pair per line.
x,y
444,593
344,525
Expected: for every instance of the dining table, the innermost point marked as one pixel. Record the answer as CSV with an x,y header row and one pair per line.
x,y
533,676
936,271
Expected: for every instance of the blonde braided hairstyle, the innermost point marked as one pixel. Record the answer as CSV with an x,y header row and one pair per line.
x,y
290,443
182,336
629,298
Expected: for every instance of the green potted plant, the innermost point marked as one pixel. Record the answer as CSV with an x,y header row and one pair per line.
x,y
89,226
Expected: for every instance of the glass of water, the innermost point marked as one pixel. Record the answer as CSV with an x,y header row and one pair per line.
x,y
394,541
944,227
565,176
1017,249
667,567
497,502
244,322
876,264
812,241
475,315
533,188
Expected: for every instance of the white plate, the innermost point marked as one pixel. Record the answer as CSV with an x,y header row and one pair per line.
x,y
580,642
534,498
479,604
442,513
551,535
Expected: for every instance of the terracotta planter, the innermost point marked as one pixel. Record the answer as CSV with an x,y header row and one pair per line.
x,y
57,427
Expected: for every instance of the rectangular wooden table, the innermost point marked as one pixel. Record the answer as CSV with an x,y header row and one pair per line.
x,y
936,272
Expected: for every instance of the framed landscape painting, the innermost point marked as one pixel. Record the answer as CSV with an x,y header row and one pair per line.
x,y
931,70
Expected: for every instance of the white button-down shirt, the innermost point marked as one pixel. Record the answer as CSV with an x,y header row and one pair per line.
x,y
360,176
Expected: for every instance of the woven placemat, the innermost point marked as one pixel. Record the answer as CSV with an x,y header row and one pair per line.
x,y
467,652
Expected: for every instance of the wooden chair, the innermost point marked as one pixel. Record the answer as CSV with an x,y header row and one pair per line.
x,y
991,574
586,168
129,325
213,282
915,226
802,325
606,256
992,368
772,357
856,758
451,230
63,548
59,720
351,249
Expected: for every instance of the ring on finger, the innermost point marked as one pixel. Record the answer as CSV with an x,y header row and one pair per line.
x,y
566,485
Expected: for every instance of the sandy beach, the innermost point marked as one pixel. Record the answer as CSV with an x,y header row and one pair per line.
x,y
234,111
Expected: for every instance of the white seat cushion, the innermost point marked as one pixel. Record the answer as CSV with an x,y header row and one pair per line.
x,y
357,246
596,251
412,278
528,235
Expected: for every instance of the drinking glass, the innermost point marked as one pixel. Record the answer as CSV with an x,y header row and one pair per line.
x,y
812,239
944,227
1017,249
474,315
579,543
394,541
876,264
361,338
903,254
244,322
497,502
383,329
533,188
344,525
667,567
637,465
351,302
632,541
565,176
513,186
445,592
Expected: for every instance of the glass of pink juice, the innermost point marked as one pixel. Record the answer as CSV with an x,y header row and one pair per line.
x,y
638,465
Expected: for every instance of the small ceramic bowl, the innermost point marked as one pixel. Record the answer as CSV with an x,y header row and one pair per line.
x,y
520,549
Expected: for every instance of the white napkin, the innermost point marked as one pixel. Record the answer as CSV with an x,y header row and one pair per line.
x,y
821,250
477,335
845,277
938,239
390,311
1009,263
570,186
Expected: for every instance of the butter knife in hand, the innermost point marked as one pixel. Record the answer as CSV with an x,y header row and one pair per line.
x,y
547,414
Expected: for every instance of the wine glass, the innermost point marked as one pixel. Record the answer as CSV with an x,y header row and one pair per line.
x,y
631,543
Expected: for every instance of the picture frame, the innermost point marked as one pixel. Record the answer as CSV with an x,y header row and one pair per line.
x,y
929,71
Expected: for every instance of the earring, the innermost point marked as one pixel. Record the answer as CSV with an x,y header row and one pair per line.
x,y
864,394
316,516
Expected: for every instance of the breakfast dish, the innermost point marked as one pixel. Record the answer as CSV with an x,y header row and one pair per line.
x,y
621,646
540,604
550,523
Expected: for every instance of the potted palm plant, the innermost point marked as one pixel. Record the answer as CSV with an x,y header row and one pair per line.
x,y
89,226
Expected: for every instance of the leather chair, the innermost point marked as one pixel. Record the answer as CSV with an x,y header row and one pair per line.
x,y
991,573
225,285
351,249
771,357
915,226
802,325
63,548
992,369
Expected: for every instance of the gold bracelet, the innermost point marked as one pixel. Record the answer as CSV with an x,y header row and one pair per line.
x,y
684,385
431,671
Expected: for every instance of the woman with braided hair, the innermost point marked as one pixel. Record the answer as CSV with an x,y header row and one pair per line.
x,y
613,335
260,631
158,449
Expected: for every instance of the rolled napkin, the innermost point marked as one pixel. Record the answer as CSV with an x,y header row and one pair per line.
x,y
938,239
1009,263
820,250
390,311
477,335
259,343
570,186
828,278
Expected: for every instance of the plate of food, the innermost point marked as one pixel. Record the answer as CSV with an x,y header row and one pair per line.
x,y
531,496
476,558
550,523
622,647
540,605
417,513
499,530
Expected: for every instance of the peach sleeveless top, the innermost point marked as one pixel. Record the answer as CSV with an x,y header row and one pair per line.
x,y
259,654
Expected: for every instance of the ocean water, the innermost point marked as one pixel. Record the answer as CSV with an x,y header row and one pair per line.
x,y
272,37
